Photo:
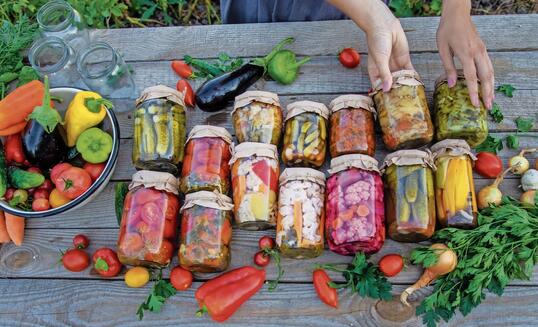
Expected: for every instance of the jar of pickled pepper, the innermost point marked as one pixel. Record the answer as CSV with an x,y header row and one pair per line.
x,y
409,195
206,232
455,116
207,156
255,173
257,117
299,231
159,130
454,184
149,221
352,125
305,136
403,112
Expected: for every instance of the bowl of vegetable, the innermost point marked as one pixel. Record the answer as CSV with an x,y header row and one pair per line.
x,y
58,157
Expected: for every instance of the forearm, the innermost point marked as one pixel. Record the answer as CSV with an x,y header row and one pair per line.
x,y
456,9
369,15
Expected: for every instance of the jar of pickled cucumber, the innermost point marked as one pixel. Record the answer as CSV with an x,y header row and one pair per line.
x,y
257,117
352,125
409,195
455,115
403,112
206,232
299,231
454,184
159,130
207,156
305,136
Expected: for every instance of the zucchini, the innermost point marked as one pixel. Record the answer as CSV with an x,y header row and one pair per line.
x,y
121,190
23,179
3,171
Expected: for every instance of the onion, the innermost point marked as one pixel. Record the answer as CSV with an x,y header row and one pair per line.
x,y
529,197
491,193
519,163
529,180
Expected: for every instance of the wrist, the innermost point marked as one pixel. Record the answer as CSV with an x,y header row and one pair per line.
x,y
369,15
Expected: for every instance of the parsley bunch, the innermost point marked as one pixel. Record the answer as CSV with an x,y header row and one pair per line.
x,y
162,290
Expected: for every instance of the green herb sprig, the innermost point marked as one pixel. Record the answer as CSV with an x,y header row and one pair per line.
x,y
161,291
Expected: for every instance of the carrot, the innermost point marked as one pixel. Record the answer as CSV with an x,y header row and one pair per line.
x,y
362,210
4,236
14,129
298,220
20,103
15,228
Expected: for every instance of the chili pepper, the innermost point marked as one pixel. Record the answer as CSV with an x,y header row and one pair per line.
x,y
87,109
203,66
14,152
106,262
326,293
185,88
182,69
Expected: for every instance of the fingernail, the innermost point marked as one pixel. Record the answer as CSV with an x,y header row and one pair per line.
x,y
489,104
451,82
386,86
475,101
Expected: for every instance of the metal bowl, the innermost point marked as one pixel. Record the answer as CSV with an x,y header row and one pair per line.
x,y
110,125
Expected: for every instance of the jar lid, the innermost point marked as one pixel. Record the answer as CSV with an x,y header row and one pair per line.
x,y
200,131
303,174
354,101
408,77
299,107
158,180
213,200
249,149
161,92
248,97
360,161
408,158
452,148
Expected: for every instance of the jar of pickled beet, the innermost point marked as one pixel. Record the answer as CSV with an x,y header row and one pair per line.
x,y
455,115
301,215
257,117
454,184
255,173
159,130
403,112
305,136
149,221
206,232
352,125
355,213
409,195
207,156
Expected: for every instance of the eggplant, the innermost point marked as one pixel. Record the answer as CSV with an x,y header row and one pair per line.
x,y
43,149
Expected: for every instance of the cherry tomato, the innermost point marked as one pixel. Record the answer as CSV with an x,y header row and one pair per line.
x,y
391,264
57,199
261,259
34,170
180,278
75,260
73,181
185,88
488,164
95,170
169,229
181,68
47,186
145,195
151,213
9,194
137,277
131,243
164,254
326,293
106,262
58,169
266,242
41,194
40,205
349,58
81,241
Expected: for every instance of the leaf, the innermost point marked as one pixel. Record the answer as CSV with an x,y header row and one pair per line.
x,y
506,89
44,114
155,303
401,8
496,113
26,75
512,142
491,144
524,124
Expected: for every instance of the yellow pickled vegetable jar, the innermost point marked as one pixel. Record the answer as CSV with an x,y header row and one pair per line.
x,y
454,184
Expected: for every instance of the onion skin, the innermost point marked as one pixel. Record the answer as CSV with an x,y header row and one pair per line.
x,y
528,197
519,164
489,195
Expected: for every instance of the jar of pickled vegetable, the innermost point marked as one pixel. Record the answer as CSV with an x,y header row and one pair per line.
x,y
255,173
299,231
409,195
305,137
454,184
455,115
207,156
149,220
159,130
206,232
257,117
355,213
403,112
352,125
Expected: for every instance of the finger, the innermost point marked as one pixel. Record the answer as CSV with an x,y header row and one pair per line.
x,y
469,71
373,73
448,62
382,64
485,74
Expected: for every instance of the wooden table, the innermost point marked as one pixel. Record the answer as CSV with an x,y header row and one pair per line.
x,y
37,291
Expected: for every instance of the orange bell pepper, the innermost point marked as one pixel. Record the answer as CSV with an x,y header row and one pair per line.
x,y
17,105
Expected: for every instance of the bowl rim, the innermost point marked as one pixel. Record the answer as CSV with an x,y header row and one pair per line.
x,y
103,178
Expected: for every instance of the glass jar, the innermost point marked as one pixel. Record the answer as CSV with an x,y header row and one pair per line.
x,y
159,130
207,156
403,112
409,195
454,184
355,213
305,136
352,125
206,232
257,117
149,221
104,71
455,115
299,231
255,173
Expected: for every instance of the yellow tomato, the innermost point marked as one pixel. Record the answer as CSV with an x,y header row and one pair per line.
x,y
57,199
137,277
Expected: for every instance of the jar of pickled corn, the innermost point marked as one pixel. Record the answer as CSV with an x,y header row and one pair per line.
x,y
455,116
305,136
299,231
206,232
149,221
159,130
355,213
207,156
403,112
352,125
257,117
454,184
409,195
255,173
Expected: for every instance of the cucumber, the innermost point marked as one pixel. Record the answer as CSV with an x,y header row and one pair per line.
x,y
3,171
23,179
121,190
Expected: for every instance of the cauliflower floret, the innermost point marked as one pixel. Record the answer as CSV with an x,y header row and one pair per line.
x,y
357,192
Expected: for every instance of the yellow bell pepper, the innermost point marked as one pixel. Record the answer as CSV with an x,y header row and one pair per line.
x,y
86,110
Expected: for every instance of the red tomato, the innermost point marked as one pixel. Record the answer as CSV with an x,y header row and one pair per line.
x,y
326,293
151,213
34,170
145,195
95,170
75,260
172,207
41,194
169,229
488,164
262,259
182,69
106,262
391,264
81,241
163,256
266,242
188,94
13,149
40,205
349,58
180,278
47,186
57,170
131,243
72,182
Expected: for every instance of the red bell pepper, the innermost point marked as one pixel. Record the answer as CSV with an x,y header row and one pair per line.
x,y
14,152
106,262
326,293
266,174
